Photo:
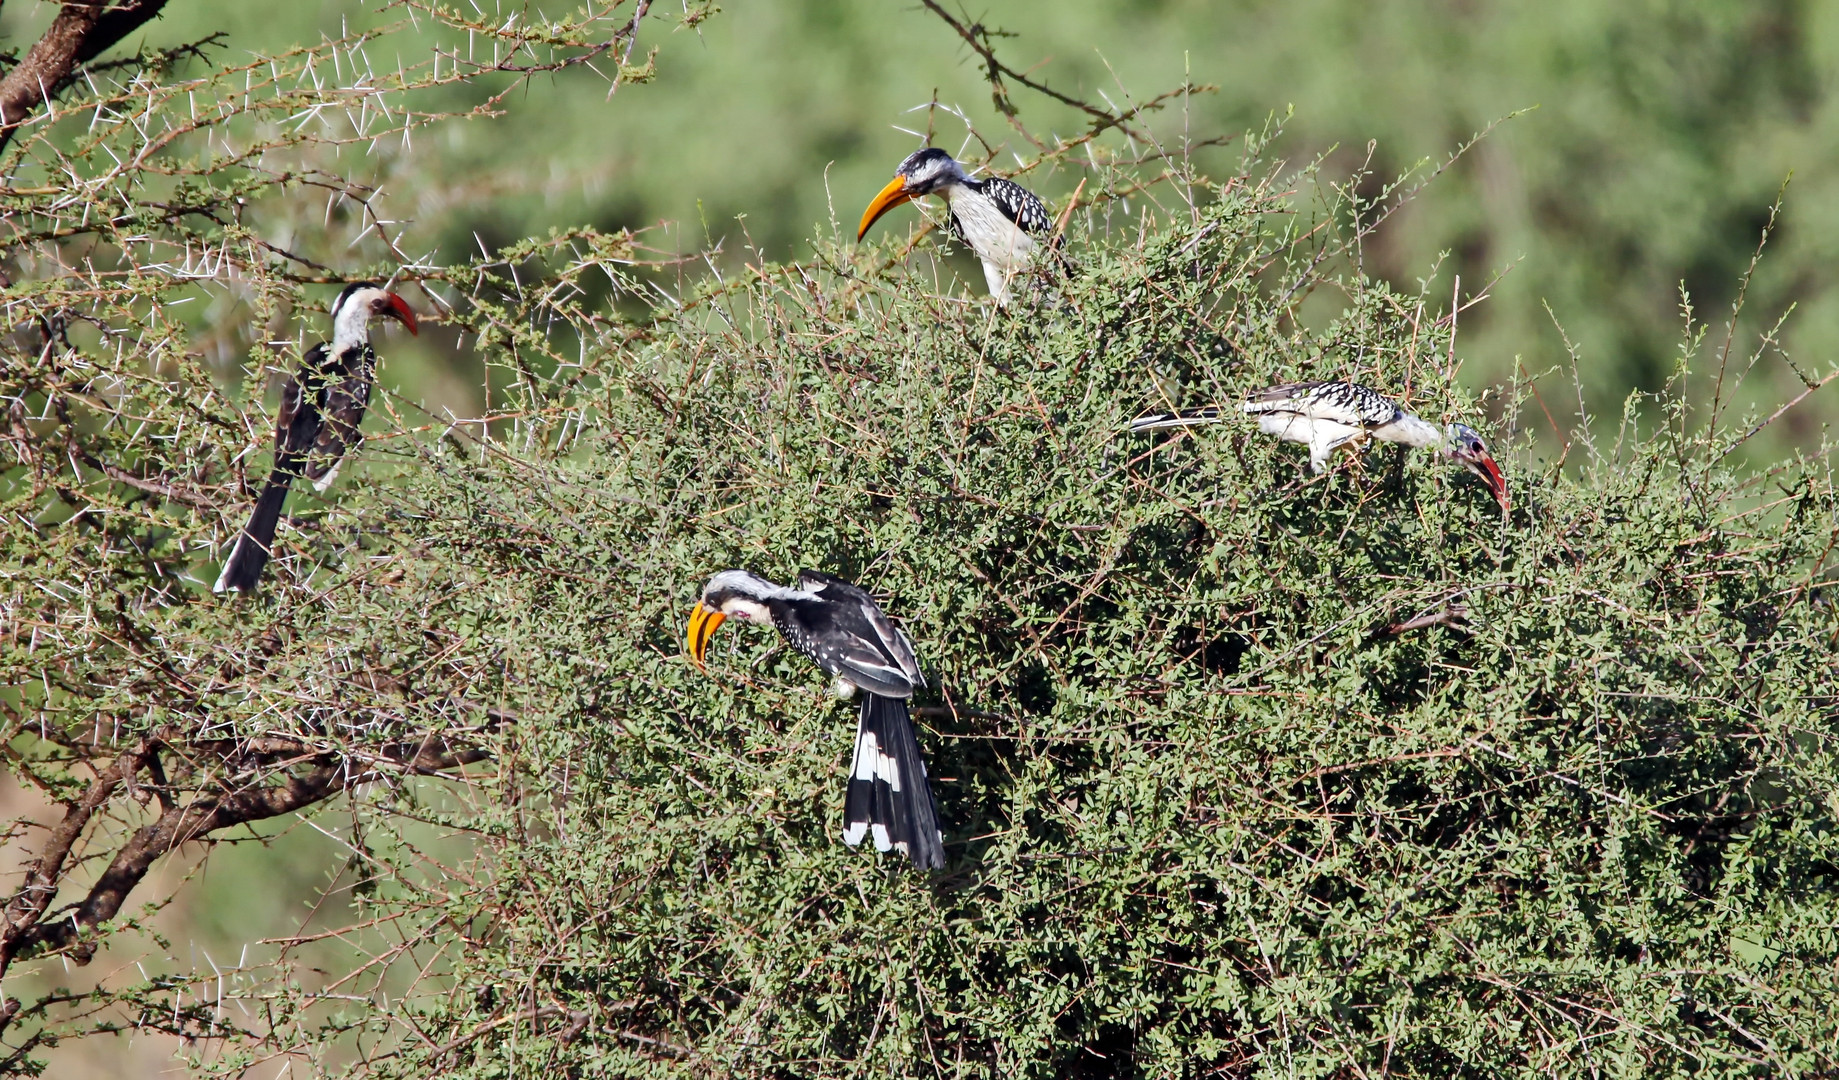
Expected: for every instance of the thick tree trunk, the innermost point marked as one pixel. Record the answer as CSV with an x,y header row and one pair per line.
x,y
80,33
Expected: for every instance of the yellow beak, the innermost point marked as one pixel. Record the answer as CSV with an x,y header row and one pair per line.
x,y
704,621
890,197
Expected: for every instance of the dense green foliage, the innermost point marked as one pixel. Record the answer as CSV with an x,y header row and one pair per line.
x,y
1209,805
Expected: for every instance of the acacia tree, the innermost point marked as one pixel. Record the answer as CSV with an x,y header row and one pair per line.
x,y
1242,771
137,183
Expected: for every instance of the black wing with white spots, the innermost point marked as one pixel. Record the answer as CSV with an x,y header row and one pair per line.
x,y
843,631
889,638
344,395
1019,205
1338,402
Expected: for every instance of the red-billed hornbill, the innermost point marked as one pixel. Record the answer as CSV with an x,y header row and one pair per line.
x,y
839,628
321,408
1000,220
1329,415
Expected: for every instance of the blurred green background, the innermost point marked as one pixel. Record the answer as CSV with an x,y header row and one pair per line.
x,y
1658,137
1662,132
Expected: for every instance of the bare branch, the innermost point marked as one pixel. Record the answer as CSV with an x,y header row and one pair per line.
x,y
80,33
42,879
326,775
977,36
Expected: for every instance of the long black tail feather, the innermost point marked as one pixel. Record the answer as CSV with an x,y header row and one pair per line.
x,y
1210,414
889,798
242,570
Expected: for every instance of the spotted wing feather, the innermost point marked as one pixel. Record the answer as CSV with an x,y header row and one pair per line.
x,y
846,634
1337,402
345,394
1019,205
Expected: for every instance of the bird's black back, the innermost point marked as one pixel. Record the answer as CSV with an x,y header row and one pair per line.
x,y
342,383
841,639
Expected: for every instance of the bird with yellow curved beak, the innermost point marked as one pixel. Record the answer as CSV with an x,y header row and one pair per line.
x,y
839,627
1000,220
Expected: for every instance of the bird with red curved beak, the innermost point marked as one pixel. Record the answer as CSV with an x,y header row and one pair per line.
x,y
321,408
1000,220
840,628
1327,416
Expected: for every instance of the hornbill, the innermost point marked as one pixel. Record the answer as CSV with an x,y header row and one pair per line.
x,y
1000,220
1329,415
839,628
321,408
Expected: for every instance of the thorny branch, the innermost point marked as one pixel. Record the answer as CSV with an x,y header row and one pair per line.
x,y
124,451
80,33
244,781
978,36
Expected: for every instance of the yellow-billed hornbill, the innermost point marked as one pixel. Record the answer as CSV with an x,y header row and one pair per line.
x,y
839,628
1000,220
1329,415
321,408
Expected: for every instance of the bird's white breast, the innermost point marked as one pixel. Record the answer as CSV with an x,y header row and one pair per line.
x,y
1305,429
994,238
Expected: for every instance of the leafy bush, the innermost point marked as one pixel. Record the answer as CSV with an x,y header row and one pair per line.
x,y
1243,771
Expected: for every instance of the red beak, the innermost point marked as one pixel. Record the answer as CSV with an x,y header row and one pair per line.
x,y
1491,474
404,312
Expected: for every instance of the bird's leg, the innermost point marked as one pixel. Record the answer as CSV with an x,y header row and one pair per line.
x,y
1319,452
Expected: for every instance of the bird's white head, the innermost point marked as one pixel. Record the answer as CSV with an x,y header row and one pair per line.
x,y
926,171
731,594
731,586
1465,445
923,173
361,302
